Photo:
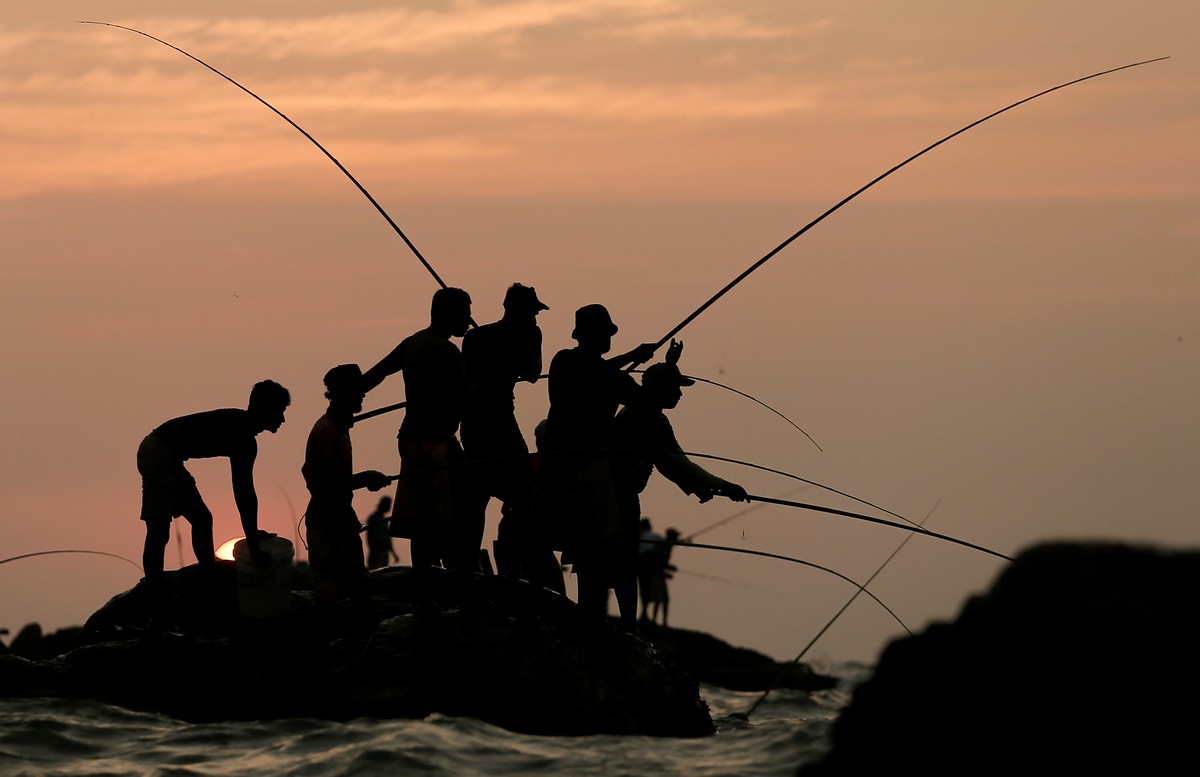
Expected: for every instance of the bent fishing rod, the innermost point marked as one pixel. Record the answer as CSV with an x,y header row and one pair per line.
x,y
54,552
299,129
912,525
729,286
917,529
568,451
400,405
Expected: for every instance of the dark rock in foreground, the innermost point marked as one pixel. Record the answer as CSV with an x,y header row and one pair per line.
x,y
1081,659
501,650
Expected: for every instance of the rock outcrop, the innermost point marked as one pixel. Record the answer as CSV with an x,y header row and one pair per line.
x,y
1081,659
416,643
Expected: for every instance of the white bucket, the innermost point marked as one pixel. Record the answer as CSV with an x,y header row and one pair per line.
x,y
264,592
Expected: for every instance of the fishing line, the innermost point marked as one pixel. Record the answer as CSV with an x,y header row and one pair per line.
x,y
876,180
752,399
52,552
734,583
299,129
765,554
746,715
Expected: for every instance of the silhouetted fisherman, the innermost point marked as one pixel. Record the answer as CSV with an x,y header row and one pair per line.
x,y
169,490
497,355
430,488
379,540
335,549
576,498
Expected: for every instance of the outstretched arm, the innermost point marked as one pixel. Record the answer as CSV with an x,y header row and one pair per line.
x,y
388,365
241,468
640,355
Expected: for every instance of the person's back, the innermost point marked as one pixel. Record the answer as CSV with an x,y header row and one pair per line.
x,y
430,488
497,356
434,386
225,432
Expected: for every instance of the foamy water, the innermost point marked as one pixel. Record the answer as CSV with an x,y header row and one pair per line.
x,y
67,737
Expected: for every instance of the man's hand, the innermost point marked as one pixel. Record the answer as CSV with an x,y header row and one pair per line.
x,y
704,495
643,353
674,351
376,480
735,492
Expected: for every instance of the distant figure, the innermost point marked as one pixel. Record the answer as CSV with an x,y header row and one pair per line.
x,y
430,488
646,558
334,548
497,355
575,492
379,541
169,490
658,569
643,440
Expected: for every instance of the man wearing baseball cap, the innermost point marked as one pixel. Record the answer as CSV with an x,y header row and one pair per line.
x,y
643,441
496,356
331,527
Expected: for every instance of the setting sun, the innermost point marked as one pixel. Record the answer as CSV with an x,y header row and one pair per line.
x,y
225,552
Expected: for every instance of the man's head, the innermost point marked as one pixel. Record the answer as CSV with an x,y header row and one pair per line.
x,y
522,301
664,383
268,400
450,311
594,326
344,387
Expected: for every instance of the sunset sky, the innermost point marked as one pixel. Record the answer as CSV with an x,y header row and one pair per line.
x,y
1003,336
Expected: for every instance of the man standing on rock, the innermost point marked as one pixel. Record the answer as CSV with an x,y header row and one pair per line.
x,y
429,491
169,490
334,548
497,355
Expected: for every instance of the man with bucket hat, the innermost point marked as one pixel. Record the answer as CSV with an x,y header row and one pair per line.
x,y
576,499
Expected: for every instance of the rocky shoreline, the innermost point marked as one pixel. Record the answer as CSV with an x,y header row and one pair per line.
x,y
501,650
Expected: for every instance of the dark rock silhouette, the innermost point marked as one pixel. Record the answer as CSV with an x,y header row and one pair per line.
x,y
1081,659
420,641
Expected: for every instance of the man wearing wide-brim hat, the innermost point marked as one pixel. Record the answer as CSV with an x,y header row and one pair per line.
x,y
576,499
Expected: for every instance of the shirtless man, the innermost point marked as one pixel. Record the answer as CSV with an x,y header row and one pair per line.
x,y
169,490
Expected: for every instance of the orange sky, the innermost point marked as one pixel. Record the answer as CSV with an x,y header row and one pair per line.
x,y
1007,328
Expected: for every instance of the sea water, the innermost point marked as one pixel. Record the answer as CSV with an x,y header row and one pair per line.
x,y
43,737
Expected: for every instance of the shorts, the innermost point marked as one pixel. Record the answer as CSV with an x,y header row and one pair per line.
x,y
168,489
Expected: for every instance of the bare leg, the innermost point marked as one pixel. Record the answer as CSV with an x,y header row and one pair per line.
x,y
158,534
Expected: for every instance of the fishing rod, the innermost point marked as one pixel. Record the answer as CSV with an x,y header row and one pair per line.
x,y
735,516
766,554
546,454
746,715
857,516
400,405
729,286
830,489
53,552
299,129
753,399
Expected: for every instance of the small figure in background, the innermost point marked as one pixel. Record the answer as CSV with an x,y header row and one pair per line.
x,y
379,541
